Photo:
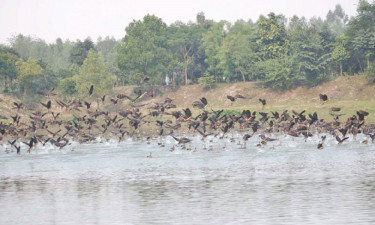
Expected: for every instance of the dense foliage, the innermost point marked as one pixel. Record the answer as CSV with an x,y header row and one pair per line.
x,y
282,53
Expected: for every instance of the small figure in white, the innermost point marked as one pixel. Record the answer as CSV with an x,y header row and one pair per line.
x,y
167,80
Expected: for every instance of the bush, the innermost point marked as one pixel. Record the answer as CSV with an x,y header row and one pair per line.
x,y
207,81
230,112
370,72
68,86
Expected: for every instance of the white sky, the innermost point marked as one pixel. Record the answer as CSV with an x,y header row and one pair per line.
x,y
77,19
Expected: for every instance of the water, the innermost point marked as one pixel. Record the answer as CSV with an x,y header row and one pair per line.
x,y
111,183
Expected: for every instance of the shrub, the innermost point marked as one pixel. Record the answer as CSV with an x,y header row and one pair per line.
x,y
68,86
370,72
207,81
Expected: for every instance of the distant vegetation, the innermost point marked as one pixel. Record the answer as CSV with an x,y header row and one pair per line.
x,y
280,53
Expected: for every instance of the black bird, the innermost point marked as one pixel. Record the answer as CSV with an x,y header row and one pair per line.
x,y
114,101
198,104
47,105
187,112
203,133
339,140
18,105
140,95
246,137
361,115
16,119
335,109
159,123
44,142
204,101
323,97
239,96
30,144
182,140
60,143
324,138
88,105
267,139
47,93
18,148
53,133
144,79
275,115
264,102
246,114
55,115
122,96
91,90
12,142
313,117
231,98
255,127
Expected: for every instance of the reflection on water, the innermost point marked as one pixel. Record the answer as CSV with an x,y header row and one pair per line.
x,y
112,183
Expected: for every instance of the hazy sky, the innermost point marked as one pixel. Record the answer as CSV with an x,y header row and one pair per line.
x,y
72,19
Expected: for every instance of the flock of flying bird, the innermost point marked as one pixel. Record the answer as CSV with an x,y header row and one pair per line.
x,y
163,119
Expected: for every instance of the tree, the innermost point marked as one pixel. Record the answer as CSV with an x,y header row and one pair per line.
x,y
27,47
93,72
184,41
212,41
361,32
306,44
107,48
68,86
337,20
22,45
29,73
144,51
8,69
276,65
237,54
80,50
279,73
364,44
339,53
272,36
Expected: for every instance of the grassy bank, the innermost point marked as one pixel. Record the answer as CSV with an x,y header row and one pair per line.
x,y
350,93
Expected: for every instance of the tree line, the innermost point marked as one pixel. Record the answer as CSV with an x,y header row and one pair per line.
x,y
278,52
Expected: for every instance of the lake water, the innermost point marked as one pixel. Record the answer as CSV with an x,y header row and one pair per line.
x,y
111,183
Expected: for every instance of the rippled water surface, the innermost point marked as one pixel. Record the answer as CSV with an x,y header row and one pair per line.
x,y
111,183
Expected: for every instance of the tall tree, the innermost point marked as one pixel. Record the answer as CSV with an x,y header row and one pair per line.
x,y
8,69
144,50
80,50
337,20
306,45
93,72
361,32
184,41
237,54
276,65
340,53
279,73
212,41
29,73
272,40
